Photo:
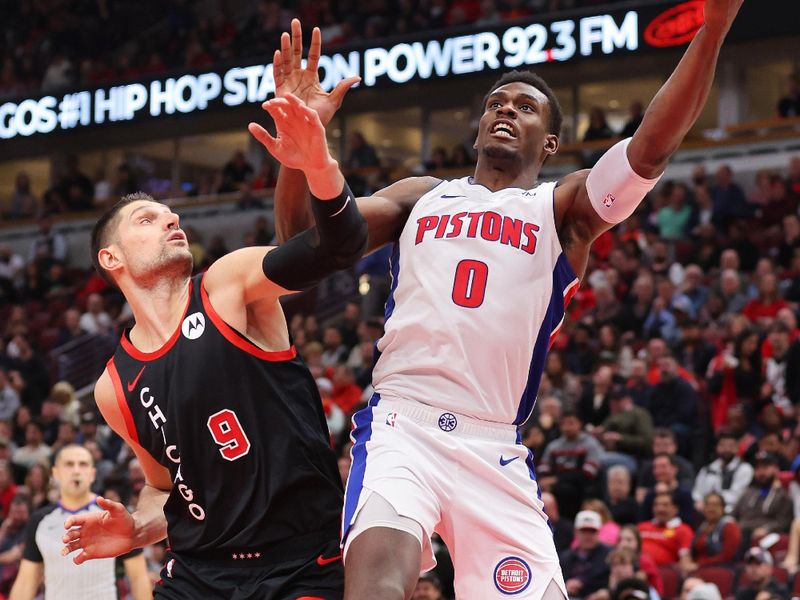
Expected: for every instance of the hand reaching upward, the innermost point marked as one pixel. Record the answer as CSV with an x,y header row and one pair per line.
x,y
292,78
300,143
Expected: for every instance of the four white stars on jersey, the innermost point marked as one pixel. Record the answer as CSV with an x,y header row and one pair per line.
x,y
242,555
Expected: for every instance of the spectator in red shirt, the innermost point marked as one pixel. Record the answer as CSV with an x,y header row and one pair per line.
x,y
717,539
346,394
666,539
763,309
7,487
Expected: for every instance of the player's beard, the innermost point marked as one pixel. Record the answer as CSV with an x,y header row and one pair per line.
x,y
171,264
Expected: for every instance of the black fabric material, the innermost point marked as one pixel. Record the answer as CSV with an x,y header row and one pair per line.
x,y
336,242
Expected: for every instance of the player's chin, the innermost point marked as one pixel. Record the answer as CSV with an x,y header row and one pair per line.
x,y
501,149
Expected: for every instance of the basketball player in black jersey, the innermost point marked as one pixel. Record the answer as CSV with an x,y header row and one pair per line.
x,y
210,394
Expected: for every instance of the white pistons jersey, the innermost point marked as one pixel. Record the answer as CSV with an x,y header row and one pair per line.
x,y
479,289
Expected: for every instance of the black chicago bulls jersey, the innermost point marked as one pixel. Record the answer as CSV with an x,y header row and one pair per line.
x,y
242,433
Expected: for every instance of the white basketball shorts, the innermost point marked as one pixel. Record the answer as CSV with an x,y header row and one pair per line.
x,y
470,481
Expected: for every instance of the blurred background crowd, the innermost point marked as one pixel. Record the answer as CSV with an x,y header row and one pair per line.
x,y
666,435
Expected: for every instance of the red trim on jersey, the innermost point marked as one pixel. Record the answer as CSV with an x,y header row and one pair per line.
x,y
237,339
128,346
569,292
122,402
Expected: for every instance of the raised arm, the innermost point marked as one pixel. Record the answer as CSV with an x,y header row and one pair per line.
x,y
591,202
115,531
292,214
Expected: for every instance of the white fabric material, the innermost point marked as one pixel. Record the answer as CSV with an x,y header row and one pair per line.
x,y
472,360
454,483
615,189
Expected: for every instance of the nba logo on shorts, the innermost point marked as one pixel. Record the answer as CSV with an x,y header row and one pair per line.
x,y
391,419
608,200
512,575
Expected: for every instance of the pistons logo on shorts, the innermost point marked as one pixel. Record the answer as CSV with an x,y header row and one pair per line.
x,y
512,575
447,422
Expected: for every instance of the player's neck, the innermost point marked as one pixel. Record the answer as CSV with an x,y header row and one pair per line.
x,y
157,312
72,503
499,175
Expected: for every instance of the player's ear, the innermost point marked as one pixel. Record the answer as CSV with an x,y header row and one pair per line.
x,y
550,144
109,258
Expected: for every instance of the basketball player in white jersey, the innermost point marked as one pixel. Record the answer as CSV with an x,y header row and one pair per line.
x,y
483,268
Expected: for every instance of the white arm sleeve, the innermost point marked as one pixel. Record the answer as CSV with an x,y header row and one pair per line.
x,y
615,190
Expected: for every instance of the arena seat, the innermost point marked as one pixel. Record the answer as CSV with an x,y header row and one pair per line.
x,y
672,582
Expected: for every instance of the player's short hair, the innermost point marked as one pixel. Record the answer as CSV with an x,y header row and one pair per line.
x,y
531,78
67,447
101,232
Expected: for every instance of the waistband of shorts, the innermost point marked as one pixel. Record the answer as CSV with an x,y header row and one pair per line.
x,y
306,546
447,420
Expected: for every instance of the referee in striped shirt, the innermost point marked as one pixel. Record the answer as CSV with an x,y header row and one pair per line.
x,y
42,560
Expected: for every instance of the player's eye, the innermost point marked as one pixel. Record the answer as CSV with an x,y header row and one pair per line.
x,y
527,108
145,220
494,104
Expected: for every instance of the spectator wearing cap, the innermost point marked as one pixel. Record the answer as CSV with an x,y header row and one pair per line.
x,y
585,567
571,464
765,507
704,591
717,539
428,588
665,538
758,568
665,475
627,433
632,588
727,475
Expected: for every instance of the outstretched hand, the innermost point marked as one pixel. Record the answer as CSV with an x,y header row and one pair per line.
x,y
292,78
300,141
103,534
720,14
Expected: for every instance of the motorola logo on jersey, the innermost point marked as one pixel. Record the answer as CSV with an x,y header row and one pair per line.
x,y
512,575
193,326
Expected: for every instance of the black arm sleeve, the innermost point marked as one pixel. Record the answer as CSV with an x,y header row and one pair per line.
x,y
336,242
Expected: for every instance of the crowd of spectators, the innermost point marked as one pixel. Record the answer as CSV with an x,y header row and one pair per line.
x,y
51,44
666,435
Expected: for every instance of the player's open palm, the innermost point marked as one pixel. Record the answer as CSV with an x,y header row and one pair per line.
x,y
719,14
300,141
99,534
292,78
